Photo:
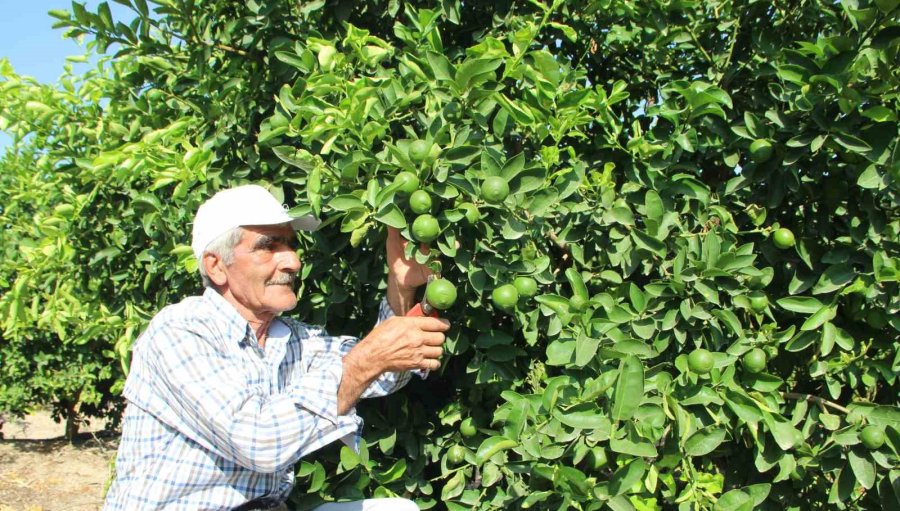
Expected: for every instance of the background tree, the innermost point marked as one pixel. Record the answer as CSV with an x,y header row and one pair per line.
x,y
703,195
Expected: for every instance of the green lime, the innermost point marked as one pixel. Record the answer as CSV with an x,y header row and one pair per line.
x,y
526,286
505,297
872,437
760,150
419,150
783,238
759,302
407,182
425,228
754,361
441,294
494,189
700,361
420,202
456,455
467,428
471,212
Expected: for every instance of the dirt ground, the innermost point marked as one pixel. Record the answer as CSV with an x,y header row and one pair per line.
x,y
40,471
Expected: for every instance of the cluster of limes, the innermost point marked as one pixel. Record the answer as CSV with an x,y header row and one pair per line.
x,y
701,361
506,296
426,228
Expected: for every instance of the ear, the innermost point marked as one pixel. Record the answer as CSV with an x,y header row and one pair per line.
x,y
215,269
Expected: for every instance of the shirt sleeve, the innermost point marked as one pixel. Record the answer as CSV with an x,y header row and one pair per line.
x,y
205,393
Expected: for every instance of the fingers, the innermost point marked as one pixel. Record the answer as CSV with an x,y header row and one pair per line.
x,y
431,364
431,352
430,324
433,338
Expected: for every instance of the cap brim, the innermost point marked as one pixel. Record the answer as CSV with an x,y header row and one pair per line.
x,y
305,223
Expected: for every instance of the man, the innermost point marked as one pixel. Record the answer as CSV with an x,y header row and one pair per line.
x,y
224,395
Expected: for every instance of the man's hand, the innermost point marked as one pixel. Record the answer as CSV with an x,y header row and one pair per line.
x,y
397,344
404,275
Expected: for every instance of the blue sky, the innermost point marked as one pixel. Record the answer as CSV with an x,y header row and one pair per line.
x,y
33,47
29,43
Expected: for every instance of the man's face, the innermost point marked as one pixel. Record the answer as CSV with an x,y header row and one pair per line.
x,y
262,276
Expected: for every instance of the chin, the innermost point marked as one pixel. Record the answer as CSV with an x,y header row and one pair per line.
x,y
285,301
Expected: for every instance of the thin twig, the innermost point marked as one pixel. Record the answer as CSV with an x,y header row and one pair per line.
x,y
815,399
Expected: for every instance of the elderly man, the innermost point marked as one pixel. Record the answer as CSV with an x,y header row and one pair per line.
x,y
224,395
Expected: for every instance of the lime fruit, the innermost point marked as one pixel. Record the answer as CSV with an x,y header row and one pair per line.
x,y
505,297
407,182
441,294
456,455
494,189
759,302
760,150
420,202
425,228
700,361
783,238
754,361
872,437
467,428
419,150
526,286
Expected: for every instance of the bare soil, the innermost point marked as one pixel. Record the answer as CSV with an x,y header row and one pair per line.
x,y
41,471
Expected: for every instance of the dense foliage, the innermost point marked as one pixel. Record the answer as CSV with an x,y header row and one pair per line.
x,y
683,176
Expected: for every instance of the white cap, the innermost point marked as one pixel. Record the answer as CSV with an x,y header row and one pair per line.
x,y
241,206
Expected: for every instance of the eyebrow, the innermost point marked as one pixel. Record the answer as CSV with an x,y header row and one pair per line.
x,y
266,241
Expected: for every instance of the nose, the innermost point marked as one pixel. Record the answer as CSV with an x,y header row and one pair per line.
x,y
288,261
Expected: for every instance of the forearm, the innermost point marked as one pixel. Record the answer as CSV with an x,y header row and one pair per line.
x,y
356,378
400,299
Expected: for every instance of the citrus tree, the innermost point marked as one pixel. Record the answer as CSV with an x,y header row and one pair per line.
x,y
670,228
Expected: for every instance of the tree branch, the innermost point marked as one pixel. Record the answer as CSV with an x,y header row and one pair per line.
x,y
815,399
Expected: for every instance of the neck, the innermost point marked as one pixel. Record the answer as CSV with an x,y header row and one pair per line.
x,y
259,321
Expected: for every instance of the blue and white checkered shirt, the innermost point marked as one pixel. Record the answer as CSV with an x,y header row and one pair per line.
x,y
213,420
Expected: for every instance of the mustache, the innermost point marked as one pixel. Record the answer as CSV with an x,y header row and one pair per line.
x,y
285,279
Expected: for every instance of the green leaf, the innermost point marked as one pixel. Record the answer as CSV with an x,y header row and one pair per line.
x,y
440,66
633,448
567,31
871,179
863,468
583,416
826,313
653,205
704,441
513,167
834,278
734,500
638,300
345,202
623,215
852,143
800,304
349,459
625,477
629,391
491,446
391,215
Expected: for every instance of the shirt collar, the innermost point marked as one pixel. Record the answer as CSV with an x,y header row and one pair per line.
x,y
236,328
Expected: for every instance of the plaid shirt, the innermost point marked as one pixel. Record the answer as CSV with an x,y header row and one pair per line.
x,y
213,420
